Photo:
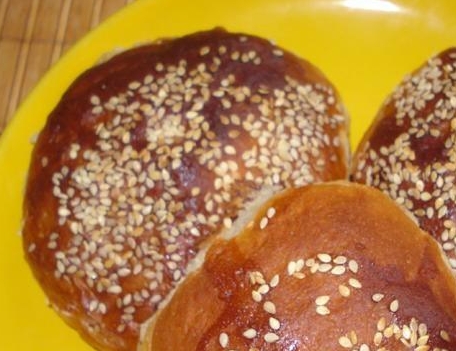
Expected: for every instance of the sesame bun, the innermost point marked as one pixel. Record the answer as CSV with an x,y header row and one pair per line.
x,y
334,266
153,153
409,150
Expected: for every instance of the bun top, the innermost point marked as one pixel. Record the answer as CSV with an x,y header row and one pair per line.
x,y
409,150
334,266
150,154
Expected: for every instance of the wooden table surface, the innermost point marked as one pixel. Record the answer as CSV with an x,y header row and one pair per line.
x,y
34,34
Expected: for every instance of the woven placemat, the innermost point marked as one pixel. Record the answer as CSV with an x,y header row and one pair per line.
x,y
34,34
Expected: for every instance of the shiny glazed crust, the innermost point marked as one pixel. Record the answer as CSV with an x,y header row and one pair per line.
x,y
152,153
409,150
334,266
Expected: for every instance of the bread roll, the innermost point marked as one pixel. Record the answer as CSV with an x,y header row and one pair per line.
x,y
154,152
333,266
409,150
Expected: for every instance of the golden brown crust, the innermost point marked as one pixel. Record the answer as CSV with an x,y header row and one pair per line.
x,y
335,267
156,150
408,151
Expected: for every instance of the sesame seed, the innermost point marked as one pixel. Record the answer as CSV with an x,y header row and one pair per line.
x,y
381,324
222,49
97,110
322,300
95,100
310,262
195,232
277,52
114,289
258,278
271,212
353,337
250,333
299,264
263,289
230,150
93,305
269,307
377,297
299,275
127,299
61,267
64,212
344,290
159,67
422,329
263,222
256,296
227,222
315,267
322,310
223,340
271,337
425,196
324,268
422,340
156,298
177,275
453,101
274,281
353,266
340,260
453,263
102,308
406,332
134,85
235,55
354,283
291,267
444,335
394,306
274,323
388,332
378,338
338,270
325,258
345,342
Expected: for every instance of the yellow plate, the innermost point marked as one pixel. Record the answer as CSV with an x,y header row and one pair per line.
x,y
364,46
